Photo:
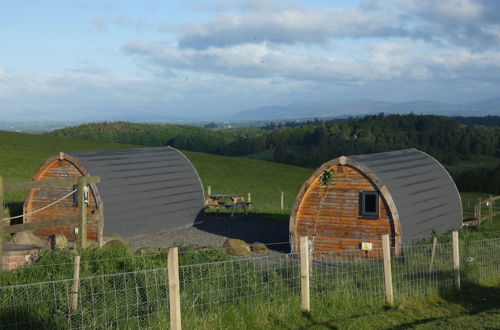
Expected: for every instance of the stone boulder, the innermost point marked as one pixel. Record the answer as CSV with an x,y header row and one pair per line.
x,y
27,238
143,251
236,247
259,248
115,241
58,241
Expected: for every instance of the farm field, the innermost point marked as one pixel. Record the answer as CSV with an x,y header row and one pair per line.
x,y
235,291
22,154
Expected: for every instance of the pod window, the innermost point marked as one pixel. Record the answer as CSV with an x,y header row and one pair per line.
x,y
369,203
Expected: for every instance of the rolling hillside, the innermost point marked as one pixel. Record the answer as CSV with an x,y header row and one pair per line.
x,y
22,154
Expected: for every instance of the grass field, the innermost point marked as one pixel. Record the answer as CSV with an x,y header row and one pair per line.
x,y
22,155
476,306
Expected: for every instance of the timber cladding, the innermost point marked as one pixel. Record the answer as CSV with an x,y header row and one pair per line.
x,y
330,214
55,168
406,194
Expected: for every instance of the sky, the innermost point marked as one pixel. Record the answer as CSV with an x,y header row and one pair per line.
x,y
200,60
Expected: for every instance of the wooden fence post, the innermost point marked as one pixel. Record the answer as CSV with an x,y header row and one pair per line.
x,y
82,211
304,274
490,208
100,225
282,200
76,283
1,222
209,190
456,260
249,200
433,253
174,289
386,248
479,211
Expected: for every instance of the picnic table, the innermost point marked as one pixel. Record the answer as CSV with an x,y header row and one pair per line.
x,y
227,201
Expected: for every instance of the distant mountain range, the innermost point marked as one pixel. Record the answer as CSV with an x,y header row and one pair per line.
x,y
364,107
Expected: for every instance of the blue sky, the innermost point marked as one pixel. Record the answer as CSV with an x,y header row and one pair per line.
x,y
153,59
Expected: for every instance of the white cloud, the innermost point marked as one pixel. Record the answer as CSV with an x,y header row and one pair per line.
x,y
402,60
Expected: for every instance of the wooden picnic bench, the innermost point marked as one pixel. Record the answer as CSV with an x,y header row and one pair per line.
x,y
227,201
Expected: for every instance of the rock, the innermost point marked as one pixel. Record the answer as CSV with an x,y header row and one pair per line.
x,y
114,241
58,241
259,248
236,247
143,251
27,238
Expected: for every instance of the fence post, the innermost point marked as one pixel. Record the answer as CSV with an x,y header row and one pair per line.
x,y
76,283
490,208
304,274
174,289
249,200
456,260
282,200
209,190
1,222
100,225
433,253
479,211
82,211
386,248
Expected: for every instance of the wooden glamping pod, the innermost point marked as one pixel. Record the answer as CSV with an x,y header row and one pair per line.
x,y
405,193
143,190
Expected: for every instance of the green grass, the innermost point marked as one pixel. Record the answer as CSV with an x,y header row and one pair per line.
x,y
264,180
23,154
476,161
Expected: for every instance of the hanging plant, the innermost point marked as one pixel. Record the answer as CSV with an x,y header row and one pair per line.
x,y
326,177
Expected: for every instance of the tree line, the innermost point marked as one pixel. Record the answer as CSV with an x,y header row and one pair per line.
x,y
312,143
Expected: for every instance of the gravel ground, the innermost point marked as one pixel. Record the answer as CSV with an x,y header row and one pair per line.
x,y
217,229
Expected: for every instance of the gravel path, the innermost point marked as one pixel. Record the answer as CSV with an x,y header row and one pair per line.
x,y
216,229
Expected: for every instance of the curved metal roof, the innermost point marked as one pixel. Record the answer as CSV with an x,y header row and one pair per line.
x,y
145,190
423,192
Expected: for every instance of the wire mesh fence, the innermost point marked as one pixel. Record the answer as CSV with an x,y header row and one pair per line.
x,y
421,270
209,290
260,281
348,276
480,260
125,300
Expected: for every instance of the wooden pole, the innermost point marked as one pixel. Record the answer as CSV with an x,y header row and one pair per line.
x,y
282,200
490,208
76,283
174,289
433,253
1,222
82,211
304,274
249,200
209,190
456,260
479,212
386,247
100,225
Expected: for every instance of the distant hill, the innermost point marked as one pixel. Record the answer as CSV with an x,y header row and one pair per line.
x,y
363,107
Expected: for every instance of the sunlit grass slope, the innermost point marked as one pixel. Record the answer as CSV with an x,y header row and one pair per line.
x,y
22,155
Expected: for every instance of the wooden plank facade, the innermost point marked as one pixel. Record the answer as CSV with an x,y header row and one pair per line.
x,y
56,167
330,215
